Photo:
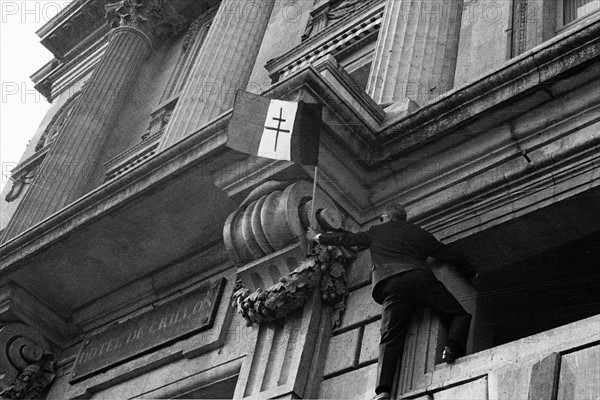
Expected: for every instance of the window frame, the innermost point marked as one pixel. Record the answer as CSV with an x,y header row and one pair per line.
x,y
560,25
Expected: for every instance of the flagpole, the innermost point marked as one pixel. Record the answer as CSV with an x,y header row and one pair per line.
x,y
312,209
314,197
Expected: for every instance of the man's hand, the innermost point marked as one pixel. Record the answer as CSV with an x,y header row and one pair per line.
x,y
311,234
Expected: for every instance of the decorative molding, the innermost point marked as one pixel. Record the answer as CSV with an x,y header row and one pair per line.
x,y
203,22
278,363
60,76
522,6
273,216
323,15
325,267
34,381
139,154
191,46
346,7
27,364
24,173
492,98
73,27
18,304
18,185
147,148
157,18
331,70
29,164
270,225
333,39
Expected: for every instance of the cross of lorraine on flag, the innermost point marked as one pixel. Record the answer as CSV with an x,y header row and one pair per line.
x,y
277,129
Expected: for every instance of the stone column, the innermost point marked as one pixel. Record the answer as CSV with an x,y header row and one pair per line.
x,y
416,50
72,168
223,65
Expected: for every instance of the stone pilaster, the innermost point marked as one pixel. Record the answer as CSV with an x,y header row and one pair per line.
x,y
223,65
72,166
416,51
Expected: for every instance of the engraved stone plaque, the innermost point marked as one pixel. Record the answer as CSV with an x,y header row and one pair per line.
x,y
192,313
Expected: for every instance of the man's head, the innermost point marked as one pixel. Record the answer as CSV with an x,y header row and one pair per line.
x,y
394,212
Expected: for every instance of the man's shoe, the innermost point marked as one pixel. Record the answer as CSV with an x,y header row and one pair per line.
x,y
382,396
449,355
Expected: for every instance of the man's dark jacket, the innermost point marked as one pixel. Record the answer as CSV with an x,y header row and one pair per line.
x,y
396,247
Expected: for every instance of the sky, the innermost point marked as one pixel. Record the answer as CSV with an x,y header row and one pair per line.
x,y
21,54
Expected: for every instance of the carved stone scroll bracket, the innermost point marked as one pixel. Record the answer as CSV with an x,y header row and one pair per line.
x,y
324,267
156,18
274,216
29,366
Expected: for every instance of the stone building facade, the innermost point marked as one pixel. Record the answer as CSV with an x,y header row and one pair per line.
x,y
128,222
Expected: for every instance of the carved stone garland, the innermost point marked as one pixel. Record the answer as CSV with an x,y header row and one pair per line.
x,y
27,367
33,382
325,267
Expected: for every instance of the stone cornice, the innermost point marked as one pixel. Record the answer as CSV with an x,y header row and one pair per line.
x,y
72,26
444,205
334,38
532,70
17,304
82,24
198,148
560,55
29,164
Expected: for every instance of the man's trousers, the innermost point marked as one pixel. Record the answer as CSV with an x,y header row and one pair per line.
x,y
403,294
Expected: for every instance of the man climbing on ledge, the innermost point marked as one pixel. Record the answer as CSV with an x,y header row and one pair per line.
x,y
401,282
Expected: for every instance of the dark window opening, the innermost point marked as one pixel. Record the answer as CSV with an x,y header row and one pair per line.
x,y
358,59
554,288
361,75
221,389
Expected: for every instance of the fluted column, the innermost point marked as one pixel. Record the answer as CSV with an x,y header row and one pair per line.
x,y
72,166
416,50
223,65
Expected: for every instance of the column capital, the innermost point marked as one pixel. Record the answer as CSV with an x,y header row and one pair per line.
x,y
155,18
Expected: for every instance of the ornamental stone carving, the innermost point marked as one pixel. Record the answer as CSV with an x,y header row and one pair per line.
x,y
58,120
272,217
27,363
63,37
325,268
330,12
277,269
157,18
344,8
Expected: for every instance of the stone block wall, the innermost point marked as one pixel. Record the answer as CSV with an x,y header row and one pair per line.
x,y
351,359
